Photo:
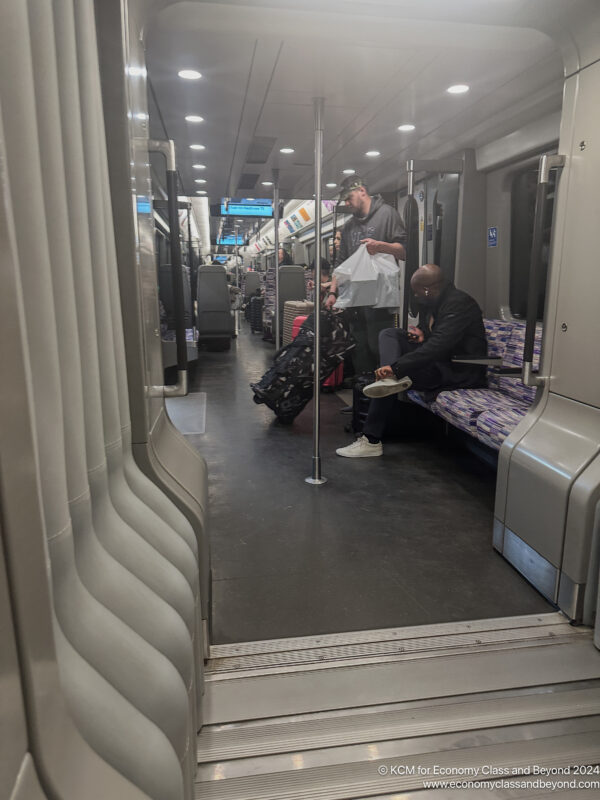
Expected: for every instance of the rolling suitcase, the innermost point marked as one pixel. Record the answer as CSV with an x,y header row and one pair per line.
x,y
255,314
288,385
337,376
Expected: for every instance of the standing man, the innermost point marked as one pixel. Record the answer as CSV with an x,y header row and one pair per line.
x,y
379,227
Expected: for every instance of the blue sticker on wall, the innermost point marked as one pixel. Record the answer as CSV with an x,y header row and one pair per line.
x,y
493,237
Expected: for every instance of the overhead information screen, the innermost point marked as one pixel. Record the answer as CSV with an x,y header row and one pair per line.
x,y
230,240
246,207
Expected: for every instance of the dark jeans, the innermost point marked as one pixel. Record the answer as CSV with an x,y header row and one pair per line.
x,y
366,324
394,343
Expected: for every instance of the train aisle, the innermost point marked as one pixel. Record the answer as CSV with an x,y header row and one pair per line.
x,y
389,542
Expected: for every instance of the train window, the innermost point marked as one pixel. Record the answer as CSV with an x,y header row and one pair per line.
x,y
522,214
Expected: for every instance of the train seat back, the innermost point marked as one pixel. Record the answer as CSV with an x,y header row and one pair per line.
x,y
214,307
252,283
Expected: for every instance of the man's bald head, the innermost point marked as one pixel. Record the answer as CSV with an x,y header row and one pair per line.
x,y
427,282
427,275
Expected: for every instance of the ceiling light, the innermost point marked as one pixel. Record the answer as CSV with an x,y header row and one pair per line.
x,y
286,150
330,185
267,183
348,171
141,115
189,74
372,153
458,88
199,166
200,191
197,147
137,71
406,127
199,180
194,118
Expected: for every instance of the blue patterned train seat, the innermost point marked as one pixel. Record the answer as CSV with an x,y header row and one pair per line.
x,y
495,424
490,414
462,407
497,333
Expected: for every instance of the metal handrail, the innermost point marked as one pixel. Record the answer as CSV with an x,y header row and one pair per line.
x,y
547,163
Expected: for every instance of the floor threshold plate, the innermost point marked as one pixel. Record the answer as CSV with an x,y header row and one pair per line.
x,y
347,687
323,657
243,741
376,777
383,635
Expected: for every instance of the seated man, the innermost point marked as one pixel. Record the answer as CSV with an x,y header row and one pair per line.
x,y
450,324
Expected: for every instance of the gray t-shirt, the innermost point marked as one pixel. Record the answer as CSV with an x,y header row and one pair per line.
x,y
382,223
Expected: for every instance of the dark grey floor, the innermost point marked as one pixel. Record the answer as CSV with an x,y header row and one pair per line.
x,y
400,540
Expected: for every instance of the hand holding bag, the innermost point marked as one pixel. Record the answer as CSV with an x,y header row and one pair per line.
x,y
368,280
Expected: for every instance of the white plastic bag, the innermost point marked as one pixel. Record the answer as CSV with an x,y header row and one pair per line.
x,y
365,280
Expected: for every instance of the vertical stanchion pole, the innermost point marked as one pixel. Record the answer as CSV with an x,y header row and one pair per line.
x,y
316,477
276,231
410,199
236,313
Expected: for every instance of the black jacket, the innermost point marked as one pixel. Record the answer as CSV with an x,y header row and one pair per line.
x,y
457,332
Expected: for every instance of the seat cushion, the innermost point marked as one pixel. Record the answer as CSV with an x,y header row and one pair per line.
x,y
462,407
497,333
493,426
513,354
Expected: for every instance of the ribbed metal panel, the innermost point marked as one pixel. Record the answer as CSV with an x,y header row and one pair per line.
x,y
364,779
382,635
282,737
330,657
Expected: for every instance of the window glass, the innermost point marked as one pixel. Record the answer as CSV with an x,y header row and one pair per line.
x,y
523,193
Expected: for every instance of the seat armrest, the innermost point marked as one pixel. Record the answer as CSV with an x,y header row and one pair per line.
x,y
478,360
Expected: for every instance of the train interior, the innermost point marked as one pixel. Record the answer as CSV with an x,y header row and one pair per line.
x,y
184,615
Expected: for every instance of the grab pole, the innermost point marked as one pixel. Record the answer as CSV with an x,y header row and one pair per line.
x,y
276,231
316,477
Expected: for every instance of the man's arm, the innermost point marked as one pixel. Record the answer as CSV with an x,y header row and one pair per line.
x,y
393,248
446,334
332,295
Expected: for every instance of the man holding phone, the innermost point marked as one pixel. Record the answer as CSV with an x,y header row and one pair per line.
x,y
450,325
379,227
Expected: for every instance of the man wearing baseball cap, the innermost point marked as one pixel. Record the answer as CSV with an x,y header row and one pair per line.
x,y
379,227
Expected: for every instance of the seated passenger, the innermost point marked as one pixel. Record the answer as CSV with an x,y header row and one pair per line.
x,y
325,278
450,325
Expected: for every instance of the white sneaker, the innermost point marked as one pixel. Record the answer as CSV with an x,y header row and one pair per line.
x,y
361,448
387,386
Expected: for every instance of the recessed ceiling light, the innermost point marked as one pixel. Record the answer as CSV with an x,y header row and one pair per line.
x,y
197,147
137,71
194,118
372,153
199,180
199,166
348,171
406,127
330,185
200,191
286,150
141,115
189,74
458,88
267,183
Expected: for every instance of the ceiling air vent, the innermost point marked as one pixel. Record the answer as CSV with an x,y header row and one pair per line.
x,y
247,181
260,149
